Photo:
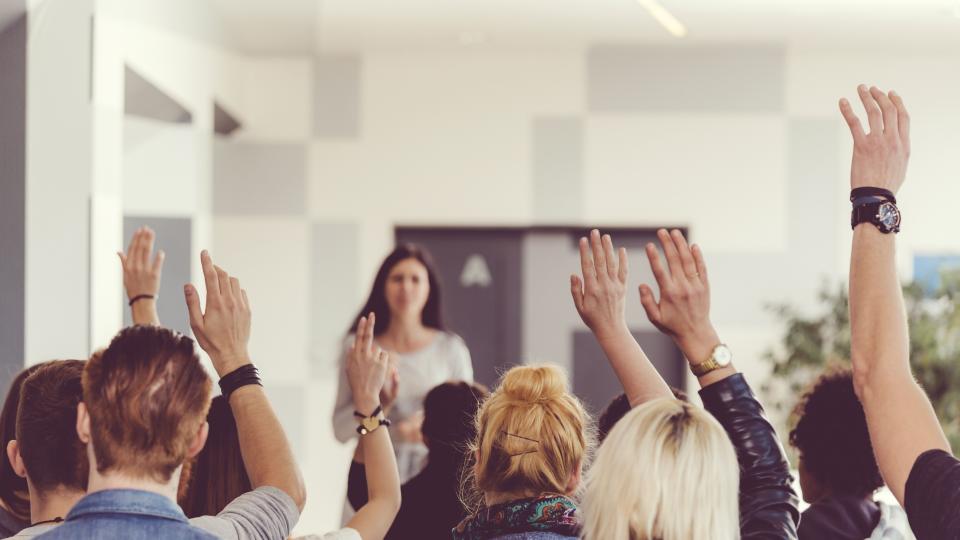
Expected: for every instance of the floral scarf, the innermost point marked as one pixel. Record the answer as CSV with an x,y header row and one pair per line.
x,y
546,514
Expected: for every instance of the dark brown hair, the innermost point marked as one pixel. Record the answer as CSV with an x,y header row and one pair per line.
x,y
217,475
13,489
47,427
147,397
432,316
448,418
830,432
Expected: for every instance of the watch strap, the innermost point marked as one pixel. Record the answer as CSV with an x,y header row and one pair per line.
x,y
870,213
703,368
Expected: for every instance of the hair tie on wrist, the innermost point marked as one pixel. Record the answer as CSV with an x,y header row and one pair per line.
x,y
242,376
140,297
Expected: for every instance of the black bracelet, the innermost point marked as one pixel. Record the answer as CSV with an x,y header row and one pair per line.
x,y
375,412
242,376
872,192
140,297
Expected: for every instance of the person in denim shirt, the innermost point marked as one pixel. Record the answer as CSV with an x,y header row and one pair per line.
x,y
145,401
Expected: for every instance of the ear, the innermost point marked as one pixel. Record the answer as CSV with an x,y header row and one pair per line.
x,y
13,454
199,440
573,483
83,423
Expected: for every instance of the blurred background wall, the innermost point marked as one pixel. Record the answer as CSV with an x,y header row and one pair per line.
x,y
292,138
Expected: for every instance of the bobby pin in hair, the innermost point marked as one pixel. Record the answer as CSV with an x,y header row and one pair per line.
x,y
524,438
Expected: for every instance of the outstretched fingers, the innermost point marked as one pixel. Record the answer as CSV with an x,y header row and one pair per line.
x,y
856,129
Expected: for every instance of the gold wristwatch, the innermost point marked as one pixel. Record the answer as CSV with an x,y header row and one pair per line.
x,y
719,358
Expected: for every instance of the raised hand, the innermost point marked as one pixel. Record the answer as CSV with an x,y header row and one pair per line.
x,y
223,328
600,297
683,311
879,157
141,276
366,367
391,388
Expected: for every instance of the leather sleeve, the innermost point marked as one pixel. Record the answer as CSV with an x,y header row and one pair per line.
x,y
768,504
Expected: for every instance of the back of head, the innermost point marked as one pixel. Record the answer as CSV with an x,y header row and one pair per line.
x,y
218,474
667,471
147,397
448,417
13,489
619,407
47,427
533,436
832,438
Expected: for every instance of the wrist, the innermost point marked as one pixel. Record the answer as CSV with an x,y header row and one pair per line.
x,y
365,404
228,363
699,345
612,333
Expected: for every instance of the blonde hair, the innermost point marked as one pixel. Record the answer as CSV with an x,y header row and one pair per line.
x,y
533,436
667,471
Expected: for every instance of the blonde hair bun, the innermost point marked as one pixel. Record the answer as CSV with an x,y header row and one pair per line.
x,y
533,384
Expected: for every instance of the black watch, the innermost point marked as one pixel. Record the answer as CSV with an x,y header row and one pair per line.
x,y
884,215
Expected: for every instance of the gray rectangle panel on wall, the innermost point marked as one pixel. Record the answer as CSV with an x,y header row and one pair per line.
x,y
557,169
259,179
334,279
813,174
13,137
174,237
336,96
594,380
690,78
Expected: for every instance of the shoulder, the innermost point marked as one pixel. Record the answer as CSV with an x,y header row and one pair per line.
x,y
263,509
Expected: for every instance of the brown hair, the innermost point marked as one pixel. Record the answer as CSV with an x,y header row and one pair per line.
x,y
47,427
217,475
147,397
532,434
13,489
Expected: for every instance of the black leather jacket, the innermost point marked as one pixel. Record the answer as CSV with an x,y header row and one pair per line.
x,y
768,504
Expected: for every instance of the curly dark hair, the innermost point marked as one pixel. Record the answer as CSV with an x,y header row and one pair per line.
x,y
830,432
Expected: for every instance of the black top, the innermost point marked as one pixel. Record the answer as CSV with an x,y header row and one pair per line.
x,y
932,496
430,505
839,518
768,504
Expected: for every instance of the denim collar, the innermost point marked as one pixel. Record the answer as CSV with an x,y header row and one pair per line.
x,y
127,501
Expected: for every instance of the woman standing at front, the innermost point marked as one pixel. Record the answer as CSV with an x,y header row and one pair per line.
x,y
409,325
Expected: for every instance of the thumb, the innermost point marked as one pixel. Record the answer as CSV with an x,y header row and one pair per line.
x,y
649,303
576,290
193,307
158,261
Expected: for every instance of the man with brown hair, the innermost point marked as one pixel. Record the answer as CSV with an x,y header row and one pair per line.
x,y
145,400
46,451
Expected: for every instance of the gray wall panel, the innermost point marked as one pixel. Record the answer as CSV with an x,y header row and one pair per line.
x,y
173,236
334,278
13,124
557,169
259,179
336,96
693,78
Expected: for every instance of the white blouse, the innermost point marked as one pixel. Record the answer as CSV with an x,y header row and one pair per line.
x,y
446,358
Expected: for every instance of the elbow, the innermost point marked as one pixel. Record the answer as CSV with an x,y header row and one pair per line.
x,y
298,492
862,377
395,500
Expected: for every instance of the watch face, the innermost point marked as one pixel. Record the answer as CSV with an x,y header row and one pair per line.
x,y
722,355
889,216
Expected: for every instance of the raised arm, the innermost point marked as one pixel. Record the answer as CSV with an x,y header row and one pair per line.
x,y
141,277
768,504
367,367
901,420
223,331
600,299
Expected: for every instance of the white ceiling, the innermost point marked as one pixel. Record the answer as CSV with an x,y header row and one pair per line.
x,y
304,26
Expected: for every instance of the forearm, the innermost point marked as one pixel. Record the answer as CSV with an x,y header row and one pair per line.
x,y
901,420
373,520
144,312
266,451
636,373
